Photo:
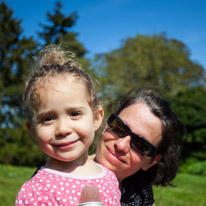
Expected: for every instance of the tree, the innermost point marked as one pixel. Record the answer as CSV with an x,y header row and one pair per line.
x,y
15,56
16,53
58,31
189,105
149,61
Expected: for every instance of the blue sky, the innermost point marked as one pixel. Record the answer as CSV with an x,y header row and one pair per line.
x,y
103,24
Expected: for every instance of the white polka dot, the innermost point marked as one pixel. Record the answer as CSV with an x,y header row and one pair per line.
x,y
61,183
51,191
58,198
64,200
39,198
54,186
78,193
49,203
48,185
46,198
59,193
74,186
62,188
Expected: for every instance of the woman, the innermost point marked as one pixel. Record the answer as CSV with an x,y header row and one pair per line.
x,y
141,145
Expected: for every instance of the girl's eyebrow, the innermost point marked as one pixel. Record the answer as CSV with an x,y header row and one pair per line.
x,y
52,112
44,113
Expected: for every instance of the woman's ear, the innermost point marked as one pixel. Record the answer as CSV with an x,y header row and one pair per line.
x,y
99,115
152,162
31,129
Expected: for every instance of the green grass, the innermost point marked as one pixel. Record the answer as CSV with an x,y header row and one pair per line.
x,y
190,190
11,180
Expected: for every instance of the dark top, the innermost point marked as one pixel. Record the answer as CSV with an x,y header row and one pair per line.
x,y
136,191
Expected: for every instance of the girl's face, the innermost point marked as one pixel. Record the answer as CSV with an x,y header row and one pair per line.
x,y
65,123
116,154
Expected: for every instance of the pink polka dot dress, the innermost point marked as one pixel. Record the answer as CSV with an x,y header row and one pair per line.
x,y
51,187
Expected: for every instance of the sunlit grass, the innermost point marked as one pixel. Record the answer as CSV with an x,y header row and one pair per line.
x,y
190,190
11,180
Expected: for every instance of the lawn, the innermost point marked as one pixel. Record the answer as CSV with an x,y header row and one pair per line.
x,y
190,190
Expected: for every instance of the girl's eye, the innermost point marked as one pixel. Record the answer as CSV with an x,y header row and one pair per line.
x,y
47,119
75,114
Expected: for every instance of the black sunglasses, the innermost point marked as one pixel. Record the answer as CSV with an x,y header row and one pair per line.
x,y
138,144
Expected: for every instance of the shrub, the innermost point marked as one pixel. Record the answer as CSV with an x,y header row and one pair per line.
x,y
198,168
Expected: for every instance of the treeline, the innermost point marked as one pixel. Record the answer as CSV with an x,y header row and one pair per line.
x,y
145,60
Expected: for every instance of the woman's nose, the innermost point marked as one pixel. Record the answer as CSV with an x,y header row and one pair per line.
x,y
63,127
122,145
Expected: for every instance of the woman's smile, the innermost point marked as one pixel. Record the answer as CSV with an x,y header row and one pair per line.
x,y
113,157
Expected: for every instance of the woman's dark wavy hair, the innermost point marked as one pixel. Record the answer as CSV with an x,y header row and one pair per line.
x,y
173,133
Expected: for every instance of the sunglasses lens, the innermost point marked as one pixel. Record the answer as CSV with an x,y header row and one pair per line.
x,y
118,127
140,145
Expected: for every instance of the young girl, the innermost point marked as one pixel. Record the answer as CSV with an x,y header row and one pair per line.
x,y
63,115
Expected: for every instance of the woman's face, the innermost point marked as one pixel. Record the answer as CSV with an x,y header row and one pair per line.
x,y
116,154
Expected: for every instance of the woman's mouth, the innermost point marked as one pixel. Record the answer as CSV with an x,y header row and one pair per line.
x,y
114,156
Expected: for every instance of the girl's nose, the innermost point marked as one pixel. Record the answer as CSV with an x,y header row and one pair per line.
x,y
63,127
122,145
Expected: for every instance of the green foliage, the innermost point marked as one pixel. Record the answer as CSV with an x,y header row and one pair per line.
x,y
189,105
187,163
15,56
154,61
198,168
57,32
